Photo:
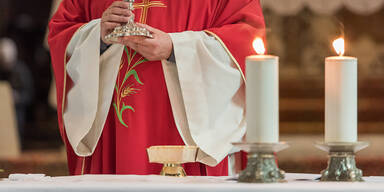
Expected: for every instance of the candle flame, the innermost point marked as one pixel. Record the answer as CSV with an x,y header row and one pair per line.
x,y
339,45
258,45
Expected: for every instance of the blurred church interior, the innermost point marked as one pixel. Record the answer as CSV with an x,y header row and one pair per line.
x,y
299,31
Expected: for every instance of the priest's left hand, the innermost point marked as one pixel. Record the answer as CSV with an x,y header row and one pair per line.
x,y
157,48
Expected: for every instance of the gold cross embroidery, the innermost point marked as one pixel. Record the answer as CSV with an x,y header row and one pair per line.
x,y
144,6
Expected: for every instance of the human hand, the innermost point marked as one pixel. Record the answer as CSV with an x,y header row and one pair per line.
x,y
153,49
116,15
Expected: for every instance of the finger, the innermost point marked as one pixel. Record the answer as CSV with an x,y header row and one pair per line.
x,y
120,11
149,42
135,39
131,38
140,41
145,50
116,19
146,43
149,28
130,44
121,4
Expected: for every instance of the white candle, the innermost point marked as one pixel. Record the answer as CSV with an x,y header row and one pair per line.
x,y
262,95
340,97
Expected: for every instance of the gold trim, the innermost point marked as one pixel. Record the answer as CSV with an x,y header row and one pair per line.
x,y
229,53
83,166
64,90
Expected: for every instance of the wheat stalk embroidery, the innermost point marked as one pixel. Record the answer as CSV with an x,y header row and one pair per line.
x,y
124,89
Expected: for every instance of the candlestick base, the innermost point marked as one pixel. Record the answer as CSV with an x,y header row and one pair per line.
x,y
261,167
341,162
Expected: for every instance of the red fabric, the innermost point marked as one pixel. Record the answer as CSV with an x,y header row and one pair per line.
x,y
147,119
240,18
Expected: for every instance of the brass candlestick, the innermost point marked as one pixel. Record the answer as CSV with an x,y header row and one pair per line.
x,y
129,29
341,162
172,157
261,167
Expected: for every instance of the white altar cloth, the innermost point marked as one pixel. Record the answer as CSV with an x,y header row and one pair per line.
x,y
127,183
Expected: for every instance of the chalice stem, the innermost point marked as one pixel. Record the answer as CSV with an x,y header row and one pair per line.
x,y
131,8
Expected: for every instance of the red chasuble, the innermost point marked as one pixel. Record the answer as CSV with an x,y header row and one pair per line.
x,y
140,114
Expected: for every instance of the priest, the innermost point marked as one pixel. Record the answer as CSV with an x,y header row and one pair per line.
x,y
183,87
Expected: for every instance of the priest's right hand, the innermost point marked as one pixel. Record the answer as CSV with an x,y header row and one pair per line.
x,y
116,15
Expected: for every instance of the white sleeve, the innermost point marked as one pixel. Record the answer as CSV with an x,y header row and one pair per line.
x,y
207,93
93,76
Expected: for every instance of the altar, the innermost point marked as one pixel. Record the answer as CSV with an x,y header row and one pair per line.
x,y
295,85
111,183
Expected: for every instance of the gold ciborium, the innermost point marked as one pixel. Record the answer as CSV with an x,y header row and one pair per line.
x,y
172,157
